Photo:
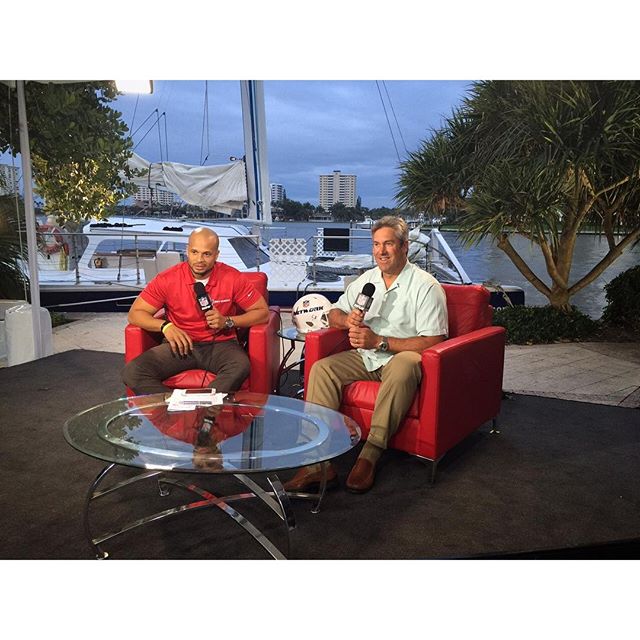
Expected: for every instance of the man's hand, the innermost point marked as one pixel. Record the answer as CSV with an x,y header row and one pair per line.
x,y
215,320
361,337
180,343
354,319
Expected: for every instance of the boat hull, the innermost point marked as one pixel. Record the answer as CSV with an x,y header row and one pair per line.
x,y
113,300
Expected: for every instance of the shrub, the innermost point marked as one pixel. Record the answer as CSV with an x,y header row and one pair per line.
x,y
540,325
623,300
58,319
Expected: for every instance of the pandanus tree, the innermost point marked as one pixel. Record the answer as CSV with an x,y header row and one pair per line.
x,y
544,160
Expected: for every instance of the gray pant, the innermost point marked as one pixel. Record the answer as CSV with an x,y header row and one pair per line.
x,y
400,378
227,359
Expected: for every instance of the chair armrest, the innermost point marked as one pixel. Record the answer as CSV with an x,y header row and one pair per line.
x,y
461,384
137,341
264,353
323,343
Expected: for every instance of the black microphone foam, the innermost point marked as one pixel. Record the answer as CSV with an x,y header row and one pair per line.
x,y
203,299
365,298
369,289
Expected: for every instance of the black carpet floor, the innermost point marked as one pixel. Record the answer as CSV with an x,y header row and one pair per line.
x,y
559,481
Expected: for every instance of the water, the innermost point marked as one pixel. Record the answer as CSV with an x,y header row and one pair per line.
x,y
486,262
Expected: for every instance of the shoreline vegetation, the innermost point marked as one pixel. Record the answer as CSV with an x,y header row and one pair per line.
x,y
582,232
620,320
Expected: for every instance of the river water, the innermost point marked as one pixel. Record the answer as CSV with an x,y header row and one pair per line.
x,y
485,261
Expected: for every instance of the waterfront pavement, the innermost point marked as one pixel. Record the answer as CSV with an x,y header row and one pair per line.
x,y
598,372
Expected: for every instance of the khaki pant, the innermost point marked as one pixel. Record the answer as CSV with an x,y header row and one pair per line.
x,y
400,378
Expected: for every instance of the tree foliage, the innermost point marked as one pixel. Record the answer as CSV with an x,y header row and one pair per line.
x,y
543,325
539,159
12,251
623,301
79,146
294,210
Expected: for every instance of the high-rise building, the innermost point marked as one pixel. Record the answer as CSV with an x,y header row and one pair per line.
x,y
278,193
157,196
8,180
337,187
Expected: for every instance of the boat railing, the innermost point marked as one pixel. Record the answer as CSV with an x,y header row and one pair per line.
x,y
440,246
436,246
79,242
317,253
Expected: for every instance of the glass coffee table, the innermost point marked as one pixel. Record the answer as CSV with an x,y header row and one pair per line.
x,y
249,434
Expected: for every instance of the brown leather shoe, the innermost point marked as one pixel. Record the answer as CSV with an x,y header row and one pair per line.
x,y
362,475
308,479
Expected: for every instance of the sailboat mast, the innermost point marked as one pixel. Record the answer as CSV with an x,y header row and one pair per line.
x,y
255,144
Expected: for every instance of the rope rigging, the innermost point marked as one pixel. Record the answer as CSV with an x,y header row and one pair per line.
x,y
386,115
155,123
205,123
384,84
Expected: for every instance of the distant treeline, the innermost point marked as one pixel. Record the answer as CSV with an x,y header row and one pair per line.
x,y
293,210
285,210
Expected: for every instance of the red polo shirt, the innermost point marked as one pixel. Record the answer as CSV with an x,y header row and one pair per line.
x,y
185,425
173,290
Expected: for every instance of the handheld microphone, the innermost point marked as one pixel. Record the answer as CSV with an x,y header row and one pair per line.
x,y
365,298
203,299
204,433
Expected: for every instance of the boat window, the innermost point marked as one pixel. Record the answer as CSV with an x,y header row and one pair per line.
x,y
120,252
249,253
180,247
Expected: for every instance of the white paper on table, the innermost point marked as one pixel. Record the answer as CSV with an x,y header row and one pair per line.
x,y
182,401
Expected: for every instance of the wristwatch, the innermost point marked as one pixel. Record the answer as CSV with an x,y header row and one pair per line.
x,y
384,345
229,323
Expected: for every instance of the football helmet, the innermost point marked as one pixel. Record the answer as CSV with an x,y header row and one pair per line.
x,y
310,313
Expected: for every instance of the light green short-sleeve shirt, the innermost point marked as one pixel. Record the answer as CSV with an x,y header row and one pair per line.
x,y
414,305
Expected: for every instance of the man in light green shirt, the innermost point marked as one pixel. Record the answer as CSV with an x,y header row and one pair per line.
x,y
407,315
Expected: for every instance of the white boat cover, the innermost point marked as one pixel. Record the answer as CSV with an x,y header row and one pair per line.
x,y
221,187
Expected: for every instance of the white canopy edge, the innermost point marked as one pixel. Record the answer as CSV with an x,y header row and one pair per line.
x,y
221,187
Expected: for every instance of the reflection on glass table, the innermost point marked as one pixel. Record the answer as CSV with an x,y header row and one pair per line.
x,y
248,434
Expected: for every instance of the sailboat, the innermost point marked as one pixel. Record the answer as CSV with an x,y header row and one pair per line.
x,y
112,260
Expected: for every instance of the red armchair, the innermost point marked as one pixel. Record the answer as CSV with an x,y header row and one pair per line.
x,y
461,386
263,346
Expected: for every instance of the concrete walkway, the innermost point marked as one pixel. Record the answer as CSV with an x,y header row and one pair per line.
x,y
598,372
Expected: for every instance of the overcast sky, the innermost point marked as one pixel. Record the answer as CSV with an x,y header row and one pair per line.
x,y
313,127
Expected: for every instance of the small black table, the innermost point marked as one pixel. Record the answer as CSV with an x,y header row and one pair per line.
x,y
291,334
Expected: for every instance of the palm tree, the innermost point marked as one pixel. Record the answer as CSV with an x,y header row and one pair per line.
x,y
539,159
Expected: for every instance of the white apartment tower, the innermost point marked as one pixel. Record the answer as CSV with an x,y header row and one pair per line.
x,y
337,187
157,196
8,180
278,194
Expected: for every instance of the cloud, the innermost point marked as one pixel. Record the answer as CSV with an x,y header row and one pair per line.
x,y
313,127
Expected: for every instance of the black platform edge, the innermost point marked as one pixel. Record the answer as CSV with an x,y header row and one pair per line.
x,y
616,550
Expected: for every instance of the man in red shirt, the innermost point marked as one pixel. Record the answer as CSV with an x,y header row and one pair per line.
x,y
195,339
